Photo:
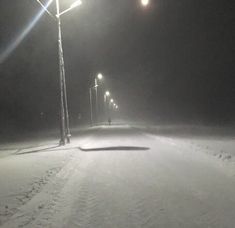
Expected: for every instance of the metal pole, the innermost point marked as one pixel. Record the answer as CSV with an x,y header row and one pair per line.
x,y
105,107
66,130
68,134
62,116
96,100
109,113
91,109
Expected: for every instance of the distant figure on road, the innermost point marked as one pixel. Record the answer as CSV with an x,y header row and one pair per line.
x,y
109,120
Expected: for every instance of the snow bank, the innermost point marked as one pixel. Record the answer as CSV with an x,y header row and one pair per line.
x,y
216,141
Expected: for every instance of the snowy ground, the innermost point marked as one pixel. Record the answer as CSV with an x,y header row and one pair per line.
x,y
117,176
216,141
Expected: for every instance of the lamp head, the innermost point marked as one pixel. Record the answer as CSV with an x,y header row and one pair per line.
x,y
145,2
100,76
75,4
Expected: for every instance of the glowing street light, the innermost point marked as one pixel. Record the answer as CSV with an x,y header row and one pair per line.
x,y
64,115
111,100
107,93
99,77
65,130
115,106
145,2
106,104
75,4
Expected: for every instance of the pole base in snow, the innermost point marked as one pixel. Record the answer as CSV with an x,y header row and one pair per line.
x,y
61,143
68,138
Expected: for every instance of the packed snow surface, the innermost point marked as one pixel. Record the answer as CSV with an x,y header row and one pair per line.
x,y
116,176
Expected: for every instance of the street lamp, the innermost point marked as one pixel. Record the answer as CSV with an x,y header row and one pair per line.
x,y
145,2
72,6
64,114
106,104
64,129
107,93
99,77
115,106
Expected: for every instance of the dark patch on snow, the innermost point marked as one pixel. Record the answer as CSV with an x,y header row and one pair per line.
x,y
114,148
38,150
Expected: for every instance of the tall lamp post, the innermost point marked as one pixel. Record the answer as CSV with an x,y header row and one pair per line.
x,y
91,107
98,77
106,108
111,102
64,125
64,113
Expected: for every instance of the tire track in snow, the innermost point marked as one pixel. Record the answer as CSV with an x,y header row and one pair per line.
x,y
147,219
26,196
44,202
38,188
76,204
86,208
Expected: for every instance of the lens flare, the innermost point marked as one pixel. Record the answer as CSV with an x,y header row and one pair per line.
x,y
145,2
15,43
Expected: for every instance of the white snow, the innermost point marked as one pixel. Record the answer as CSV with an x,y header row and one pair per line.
x,y
216,141
173,184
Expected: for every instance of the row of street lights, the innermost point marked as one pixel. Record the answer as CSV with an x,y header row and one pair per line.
x,y
95,87
108,101
64,114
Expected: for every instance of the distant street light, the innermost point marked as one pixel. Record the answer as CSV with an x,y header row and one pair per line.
x,y
145,2
115,106
107,93
98,77
106,103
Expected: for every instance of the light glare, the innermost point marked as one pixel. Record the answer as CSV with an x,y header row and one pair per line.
x,y
145,2
16,42
99,76
75,4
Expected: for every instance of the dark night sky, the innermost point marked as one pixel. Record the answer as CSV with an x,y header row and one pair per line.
x,y
170,61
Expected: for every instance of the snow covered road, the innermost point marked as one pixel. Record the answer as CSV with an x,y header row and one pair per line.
x,y
117,177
